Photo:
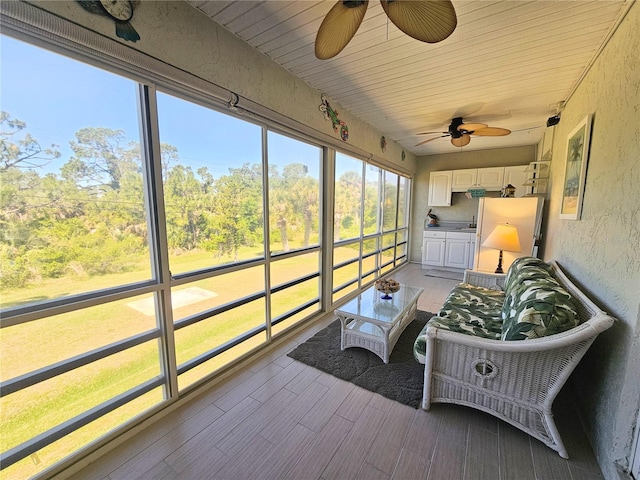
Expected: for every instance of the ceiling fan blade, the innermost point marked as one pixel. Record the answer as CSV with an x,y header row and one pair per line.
x,y
492,132
431,133
431,140
339,27
461,141
425,20
471,127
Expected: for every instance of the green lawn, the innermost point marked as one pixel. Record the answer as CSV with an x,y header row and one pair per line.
x,y
40,343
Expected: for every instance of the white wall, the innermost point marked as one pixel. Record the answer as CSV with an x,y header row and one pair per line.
x,y
602,250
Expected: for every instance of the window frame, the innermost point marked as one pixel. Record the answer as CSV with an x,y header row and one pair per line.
x,y
27,23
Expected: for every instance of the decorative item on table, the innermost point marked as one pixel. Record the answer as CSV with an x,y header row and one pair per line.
x,y
387,286
433,220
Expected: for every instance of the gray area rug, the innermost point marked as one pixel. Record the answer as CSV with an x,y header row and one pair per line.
x,y
400,380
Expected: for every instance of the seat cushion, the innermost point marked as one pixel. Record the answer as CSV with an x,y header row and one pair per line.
x,y
468,309
471,304
537,307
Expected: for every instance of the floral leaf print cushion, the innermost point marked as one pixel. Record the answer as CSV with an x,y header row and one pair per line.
x,y
539,307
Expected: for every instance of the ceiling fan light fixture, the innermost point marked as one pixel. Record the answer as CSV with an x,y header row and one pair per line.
x,y
461,141
461,132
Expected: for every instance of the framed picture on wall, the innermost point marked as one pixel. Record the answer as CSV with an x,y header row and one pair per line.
x,y
575,170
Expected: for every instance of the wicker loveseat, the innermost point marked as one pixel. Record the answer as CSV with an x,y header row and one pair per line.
x,y
506,344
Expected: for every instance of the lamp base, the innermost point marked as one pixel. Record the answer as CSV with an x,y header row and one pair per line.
x,y
499,269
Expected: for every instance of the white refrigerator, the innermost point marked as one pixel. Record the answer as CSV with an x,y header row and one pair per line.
x,y
525,213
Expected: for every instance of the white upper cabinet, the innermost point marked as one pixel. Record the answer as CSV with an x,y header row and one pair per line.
x,y
517,176
464,179
440,189
491,178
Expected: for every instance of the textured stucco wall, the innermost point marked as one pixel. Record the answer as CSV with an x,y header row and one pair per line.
x,y
602,250
180,35
462,208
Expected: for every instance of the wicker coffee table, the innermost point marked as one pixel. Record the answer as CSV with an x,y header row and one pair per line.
x,y
370,322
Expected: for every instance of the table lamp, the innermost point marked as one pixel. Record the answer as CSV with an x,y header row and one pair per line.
x,y
504,238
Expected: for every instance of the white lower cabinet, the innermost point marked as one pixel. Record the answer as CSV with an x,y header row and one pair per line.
x,y
448,249
433,248
457,250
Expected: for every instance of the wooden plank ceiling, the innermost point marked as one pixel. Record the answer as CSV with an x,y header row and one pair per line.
x,y
508,63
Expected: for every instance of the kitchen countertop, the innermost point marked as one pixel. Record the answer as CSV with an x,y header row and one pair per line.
x,y
450,227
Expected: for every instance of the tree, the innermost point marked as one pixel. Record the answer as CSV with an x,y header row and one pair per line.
x,y
304,197
237,209
100,159
21,152
89,219
348,202
185,205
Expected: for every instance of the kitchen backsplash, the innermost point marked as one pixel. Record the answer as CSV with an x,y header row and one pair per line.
x,y
462,209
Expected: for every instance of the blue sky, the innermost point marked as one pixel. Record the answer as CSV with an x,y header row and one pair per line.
x,y
56,96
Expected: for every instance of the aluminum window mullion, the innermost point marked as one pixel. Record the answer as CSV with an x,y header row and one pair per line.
x,y
56,433
326,219
347,262
293,283
346,284
363,186
200,359
299,309
75,302
266,229
199,317
65,366
295,253
158,248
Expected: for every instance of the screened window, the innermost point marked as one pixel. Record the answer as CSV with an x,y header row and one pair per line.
x,y
348,198
390,201
72,210
135,263
294,228
212,174
294,193
380,199
73,231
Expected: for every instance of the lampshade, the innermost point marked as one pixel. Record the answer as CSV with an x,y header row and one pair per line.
x,y
504,237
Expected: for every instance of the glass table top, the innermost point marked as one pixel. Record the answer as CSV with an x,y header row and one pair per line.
x,y
371,306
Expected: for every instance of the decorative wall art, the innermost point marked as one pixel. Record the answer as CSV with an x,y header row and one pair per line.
x,y
120,11
576,170
330,114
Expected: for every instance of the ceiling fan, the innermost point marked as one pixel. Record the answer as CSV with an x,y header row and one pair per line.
x,y
461,132
429,21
